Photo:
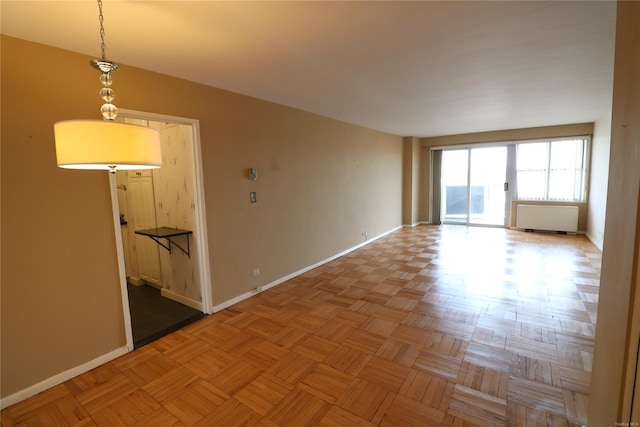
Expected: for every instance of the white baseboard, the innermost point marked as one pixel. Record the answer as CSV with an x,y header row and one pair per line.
x,y
415,224
269,285
411,225
167,293
61,377
135,281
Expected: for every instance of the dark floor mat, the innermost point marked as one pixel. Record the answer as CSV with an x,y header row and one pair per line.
x,y
153,316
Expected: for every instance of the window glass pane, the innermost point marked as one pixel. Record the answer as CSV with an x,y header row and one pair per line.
x,y
531,185
580,190
532,170
551,170
533,156
562,185
566,154
487,176
566,170
454,185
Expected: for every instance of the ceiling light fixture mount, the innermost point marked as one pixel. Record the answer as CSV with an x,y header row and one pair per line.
x,y
106,144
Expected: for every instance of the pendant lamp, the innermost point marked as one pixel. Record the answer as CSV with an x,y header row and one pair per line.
x,y
106,144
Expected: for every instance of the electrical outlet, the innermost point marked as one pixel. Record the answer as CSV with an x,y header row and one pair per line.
x,y
256,271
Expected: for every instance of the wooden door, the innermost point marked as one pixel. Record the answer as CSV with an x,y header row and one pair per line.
x,y
144,216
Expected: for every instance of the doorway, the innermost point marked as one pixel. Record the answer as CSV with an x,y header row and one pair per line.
x,y
165,282
474,186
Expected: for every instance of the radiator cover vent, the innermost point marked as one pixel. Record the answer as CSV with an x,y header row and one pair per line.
x,y
547,218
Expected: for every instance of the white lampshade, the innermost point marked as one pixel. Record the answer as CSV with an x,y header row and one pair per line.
x,y
108,145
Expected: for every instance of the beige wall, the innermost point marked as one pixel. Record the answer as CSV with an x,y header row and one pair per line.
x,y
599,177
415,188
617,331
60,302
411,181
323,185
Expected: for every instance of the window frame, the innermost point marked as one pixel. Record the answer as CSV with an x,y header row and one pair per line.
x,y
584,170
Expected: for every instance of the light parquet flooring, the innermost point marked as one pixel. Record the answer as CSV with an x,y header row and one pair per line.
x,y
427,326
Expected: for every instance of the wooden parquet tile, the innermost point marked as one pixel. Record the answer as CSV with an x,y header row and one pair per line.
x,y
427,326
477,407
264,393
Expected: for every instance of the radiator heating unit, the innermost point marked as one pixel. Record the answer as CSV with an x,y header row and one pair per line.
x,y
547,218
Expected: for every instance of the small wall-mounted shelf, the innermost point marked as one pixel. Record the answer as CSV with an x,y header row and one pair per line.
x,y
168,233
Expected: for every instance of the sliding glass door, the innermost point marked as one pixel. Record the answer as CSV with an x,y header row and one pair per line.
x,y
455,186
473,186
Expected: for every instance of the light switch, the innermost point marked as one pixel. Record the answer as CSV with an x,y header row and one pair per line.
x,y
253,174
253,197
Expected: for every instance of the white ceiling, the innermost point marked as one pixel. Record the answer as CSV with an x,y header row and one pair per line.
x,y
410,68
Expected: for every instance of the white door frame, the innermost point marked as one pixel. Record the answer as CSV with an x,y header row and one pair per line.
x,y
200,232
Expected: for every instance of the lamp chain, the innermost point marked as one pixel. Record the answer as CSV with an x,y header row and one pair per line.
x,y
108,110
103,45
